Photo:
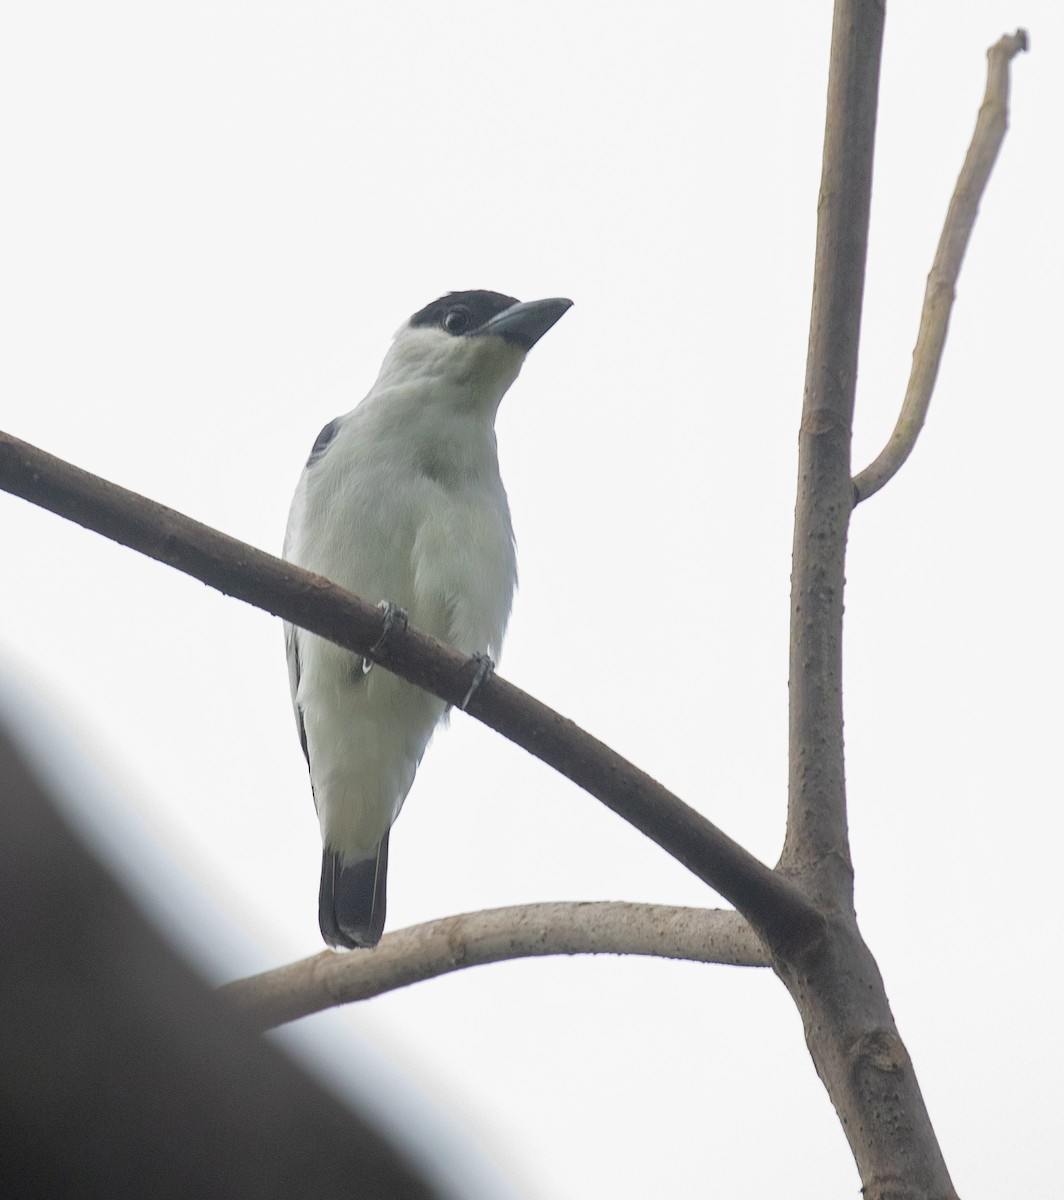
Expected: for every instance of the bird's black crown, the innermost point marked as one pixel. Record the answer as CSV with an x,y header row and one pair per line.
x,y
462,312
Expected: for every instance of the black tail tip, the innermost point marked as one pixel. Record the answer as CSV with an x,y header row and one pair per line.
x,y
351,902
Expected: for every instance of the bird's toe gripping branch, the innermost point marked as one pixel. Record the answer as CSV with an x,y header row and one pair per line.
x,y
393,616
485,668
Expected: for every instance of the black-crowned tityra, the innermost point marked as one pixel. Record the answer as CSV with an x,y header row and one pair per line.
x,y
401,502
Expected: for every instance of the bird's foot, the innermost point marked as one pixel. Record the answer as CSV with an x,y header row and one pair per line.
x,y
485,668
393,616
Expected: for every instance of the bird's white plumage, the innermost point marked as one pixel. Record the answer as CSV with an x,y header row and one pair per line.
x,y
405,504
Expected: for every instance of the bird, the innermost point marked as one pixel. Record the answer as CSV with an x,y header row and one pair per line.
x,y
401,502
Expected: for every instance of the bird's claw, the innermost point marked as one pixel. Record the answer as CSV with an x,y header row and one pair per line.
x,y
485,668
393,616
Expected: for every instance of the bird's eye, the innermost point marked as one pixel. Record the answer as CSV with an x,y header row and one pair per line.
x,y
456,321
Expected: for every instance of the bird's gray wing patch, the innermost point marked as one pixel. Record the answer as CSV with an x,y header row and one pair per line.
x,y
291,645
321,442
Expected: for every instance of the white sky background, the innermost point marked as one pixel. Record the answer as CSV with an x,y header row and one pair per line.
x,y
217,215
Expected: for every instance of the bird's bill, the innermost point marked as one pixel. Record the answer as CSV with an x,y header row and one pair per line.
x,y
525,324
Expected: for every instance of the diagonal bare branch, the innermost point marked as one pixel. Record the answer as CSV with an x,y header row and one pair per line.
x,y
990,128
526,931
772,903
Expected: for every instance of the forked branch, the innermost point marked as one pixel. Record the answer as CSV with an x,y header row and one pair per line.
x,y
494,935
990,128
836,986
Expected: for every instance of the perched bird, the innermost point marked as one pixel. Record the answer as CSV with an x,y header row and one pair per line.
x,y
401,502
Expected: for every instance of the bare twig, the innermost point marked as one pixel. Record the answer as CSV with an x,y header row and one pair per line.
x,y
990,128
773,904
424,951
836,983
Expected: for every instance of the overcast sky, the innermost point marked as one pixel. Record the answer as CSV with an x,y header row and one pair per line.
x,y
217,214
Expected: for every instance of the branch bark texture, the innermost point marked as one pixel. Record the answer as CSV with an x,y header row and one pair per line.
x,y
494,935
990,128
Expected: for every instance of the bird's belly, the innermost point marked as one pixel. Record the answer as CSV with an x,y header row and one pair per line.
x,y
366,734
464,575
448,561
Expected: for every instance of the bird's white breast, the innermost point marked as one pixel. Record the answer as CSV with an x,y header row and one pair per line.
x,y
404,506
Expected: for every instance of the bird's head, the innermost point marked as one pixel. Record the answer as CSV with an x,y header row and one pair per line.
x,y
468,347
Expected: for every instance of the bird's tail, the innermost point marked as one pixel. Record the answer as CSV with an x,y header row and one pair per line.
x,y
351,901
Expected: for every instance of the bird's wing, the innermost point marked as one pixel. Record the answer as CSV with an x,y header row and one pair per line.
x,y
291,645
321,442
292,635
